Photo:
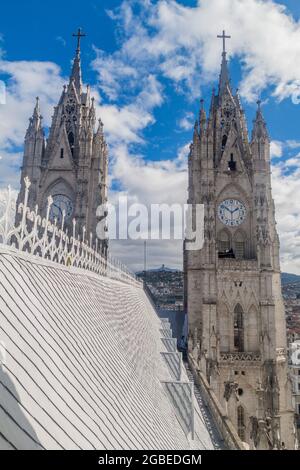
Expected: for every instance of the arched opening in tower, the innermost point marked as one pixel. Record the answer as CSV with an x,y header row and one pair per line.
x,y
71,142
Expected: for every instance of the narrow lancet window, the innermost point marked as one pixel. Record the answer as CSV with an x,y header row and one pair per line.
x,y
238,328
241,422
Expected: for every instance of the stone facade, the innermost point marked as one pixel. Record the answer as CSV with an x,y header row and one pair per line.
x,y
237,332
294,364
72,165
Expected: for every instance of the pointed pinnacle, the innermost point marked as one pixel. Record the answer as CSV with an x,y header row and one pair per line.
x,y
37,107
100,127
258,102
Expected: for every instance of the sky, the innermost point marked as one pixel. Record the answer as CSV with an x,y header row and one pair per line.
x,y
149,63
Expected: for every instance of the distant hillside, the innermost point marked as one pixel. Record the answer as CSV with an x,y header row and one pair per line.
x,y
287,278
162,269
166,285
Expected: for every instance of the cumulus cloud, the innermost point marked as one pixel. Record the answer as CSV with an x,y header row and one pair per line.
x,y
180,43
187,122
286,184
24,80
276,149
125,123
112,72
164,43
146,182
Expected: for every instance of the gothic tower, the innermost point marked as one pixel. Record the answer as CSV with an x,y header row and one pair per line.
x,y
72,166
237,333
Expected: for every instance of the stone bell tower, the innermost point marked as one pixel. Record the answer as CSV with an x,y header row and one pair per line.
x,y
72,165
237,332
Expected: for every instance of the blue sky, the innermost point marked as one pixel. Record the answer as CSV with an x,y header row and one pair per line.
x,y
43,32
149,63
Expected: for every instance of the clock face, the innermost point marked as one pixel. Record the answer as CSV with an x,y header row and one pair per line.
x,y
232,212
61,204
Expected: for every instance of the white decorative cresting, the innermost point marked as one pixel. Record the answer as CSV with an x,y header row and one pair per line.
x,y
240,356
39,236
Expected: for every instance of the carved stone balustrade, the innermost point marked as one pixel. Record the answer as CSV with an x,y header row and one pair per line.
x,y
235,357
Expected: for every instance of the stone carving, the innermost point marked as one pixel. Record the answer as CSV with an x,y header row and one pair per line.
x,y
240,356
266,433
231,388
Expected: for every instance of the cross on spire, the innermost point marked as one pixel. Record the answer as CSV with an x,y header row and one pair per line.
x,y
224,37
79,35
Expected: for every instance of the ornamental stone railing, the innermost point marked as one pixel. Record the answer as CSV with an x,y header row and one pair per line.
x,y
281,355
220,416
41,237
233,357
234,264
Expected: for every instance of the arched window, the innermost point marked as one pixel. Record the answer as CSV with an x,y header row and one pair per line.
x,y
224,241
232,163
224,327
71,141
224,142
239,245
251,330
238,326
241,423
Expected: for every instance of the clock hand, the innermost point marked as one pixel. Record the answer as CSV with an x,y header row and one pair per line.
x,y
59,212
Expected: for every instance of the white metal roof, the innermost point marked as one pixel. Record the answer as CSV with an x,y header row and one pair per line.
x,y
82,363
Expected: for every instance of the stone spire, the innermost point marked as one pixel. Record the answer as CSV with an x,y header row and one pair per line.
x,y
202,118
76,69
196,131
35,122
73,162
99,139
224,75
259,128
100,128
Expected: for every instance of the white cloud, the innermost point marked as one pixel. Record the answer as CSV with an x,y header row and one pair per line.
x,y
293,144
126,123
10,164
163,181
148,182
181,43
26,80
276,149
167,40
61,40
286,187
112,71
187,122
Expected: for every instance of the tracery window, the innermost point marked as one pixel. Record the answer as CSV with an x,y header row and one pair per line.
x,y
238,326
224,141
71,141
224,242
239,246
241,422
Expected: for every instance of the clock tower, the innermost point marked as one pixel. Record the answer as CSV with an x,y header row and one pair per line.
x,y
237,332
72,165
